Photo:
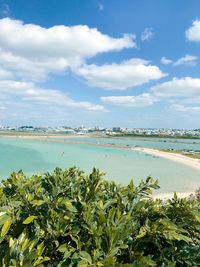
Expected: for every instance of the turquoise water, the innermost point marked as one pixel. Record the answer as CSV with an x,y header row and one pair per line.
x,y
168,143
119,164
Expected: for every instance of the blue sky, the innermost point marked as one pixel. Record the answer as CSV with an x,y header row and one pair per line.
x,y
128,63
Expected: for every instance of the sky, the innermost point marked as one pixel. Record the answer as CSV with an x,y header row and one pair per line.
x,y
107,63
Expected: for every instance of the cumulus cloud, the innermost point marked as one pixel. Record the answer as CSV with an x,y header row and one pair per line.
x,y
166,61
29,53
184,87
29,92
120,76
147,34
193,32
50,50
176,90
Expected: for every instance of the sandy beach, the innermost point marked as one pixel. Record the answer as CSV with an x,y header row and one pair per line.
x,y
194,163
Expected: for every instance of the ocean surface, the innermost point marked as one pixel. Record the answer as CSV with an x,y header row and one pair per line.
x,y
120,165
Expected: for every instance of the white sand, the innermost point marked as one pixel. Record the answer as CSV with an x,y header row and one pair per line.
x,y
194,163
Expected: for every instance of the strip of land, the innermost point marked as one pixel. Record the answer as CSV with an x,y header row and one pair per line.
x,y
194,163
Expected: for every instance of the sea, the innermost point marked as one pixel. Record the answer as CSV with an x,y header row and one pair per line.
x,y
118,164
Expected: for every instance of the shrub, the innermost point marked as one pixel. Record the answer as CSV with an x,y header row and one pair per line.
x,y
67,218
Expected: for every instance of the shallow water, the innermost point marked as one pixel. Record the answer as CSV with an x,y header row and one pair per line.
x,y
119,164
160,143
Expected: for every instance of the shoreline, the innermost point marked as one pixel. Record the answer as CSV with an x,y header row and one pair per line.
x,y
182,159
194,163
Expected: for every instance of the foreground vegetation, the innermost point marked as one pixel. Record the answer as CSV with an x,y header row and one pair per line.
x,y
66,218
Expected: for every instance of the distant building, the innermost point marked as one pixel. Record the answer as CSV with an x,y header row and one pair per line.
x,y
116,129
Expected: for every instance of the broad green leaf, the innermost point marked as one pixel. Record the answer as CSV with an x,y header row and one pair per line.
x,y
70,207
37,202
40,249
40,260
4,217
86,256
142,233
11,242
5,228
82,263
29,219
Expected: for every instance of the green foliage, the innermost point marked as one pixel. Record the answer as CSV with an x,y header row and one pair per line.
x,y
66,218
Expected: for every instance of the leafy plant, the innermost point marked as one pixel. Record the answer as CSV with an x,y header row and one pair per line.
x,y
67,218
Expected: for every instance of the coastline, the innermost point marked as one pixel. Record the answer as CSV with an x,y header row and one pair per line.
x,y
182,159
58,138
191,162
194,163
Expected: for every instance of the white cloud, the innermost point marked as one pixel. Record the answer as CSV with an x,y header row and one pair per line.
x,y
29,92
120,76
147,34
5,74
177,91
185,109
184,87
166,61
23,68
129,101
28,49
188,60
32,41
193,33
